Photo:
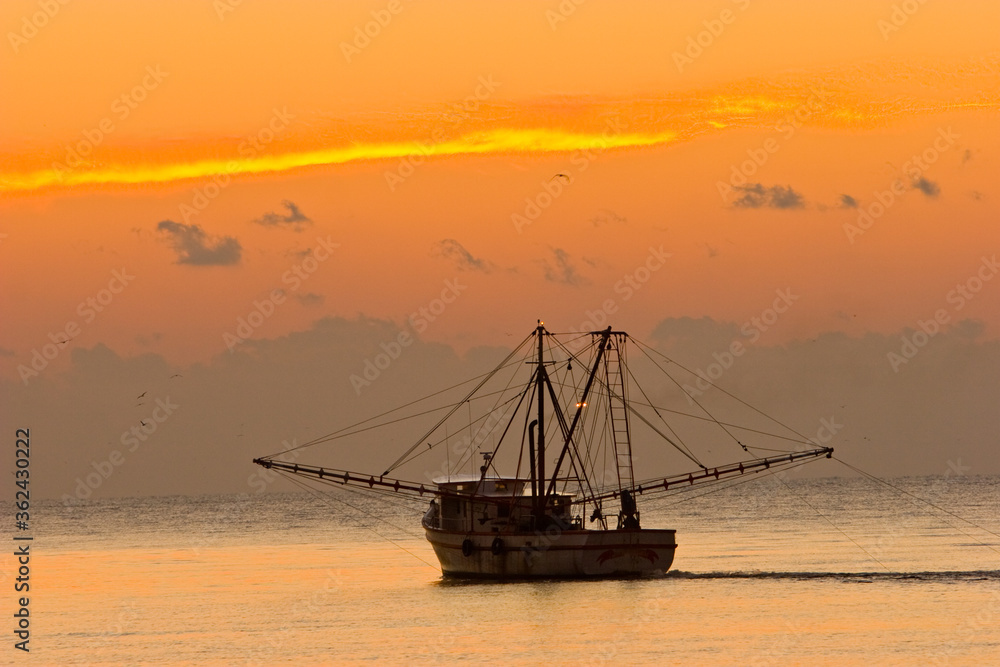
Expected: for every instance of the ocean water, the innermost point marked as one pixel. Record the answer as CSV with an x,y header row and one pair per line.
x,y
821,572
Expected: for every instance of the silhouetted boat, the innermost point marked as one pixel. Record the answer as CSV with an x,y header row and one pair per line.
x,y
551,523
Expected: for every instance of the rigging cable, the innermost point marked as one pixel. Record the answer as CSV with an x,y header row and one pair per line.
x,y
669,428
830,521
926,502
470,451
696,401
340,433
732,396
641,416
316,493
486,379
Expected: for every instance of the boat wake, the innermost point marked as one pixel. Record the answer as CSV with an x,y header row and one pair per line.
x,y
848,577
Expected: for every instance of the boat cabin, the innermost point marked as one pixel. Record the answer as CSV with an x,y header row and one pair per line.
x,y
491,504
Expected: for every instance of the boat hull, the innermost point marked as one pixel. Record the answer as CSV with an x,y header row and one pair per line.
x,y
553,553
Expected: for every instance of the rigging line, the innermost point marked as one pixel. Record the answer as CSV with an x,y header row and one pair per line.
x,y
681,413
730,424
483,418
569,442
387,539
652,426
489,375
340,432
830,521
572,382
732,396
642,391
593,444
496,448
697,402
927,502
576,463
470,451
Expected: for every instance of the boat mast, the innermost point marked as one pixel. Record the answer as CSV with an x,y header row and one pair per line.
x,y
540,440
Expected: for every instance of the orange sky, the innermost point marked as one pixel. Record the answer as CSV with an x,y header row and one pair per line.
x,y
162,97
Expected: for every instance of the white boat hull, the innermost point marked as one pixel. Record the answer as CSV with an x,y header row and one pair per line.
x,y
553,553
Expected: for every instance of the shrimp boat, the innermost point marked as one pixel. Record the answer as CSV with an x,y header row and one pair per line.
x,y
563,428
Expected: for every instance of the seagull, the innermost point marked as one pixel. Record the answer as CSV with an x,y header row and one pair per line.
x,y
176,375
566,176
142,394
143,422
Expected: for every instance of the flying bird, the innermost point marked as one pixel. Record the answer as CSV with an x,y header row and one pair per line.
x,y
142,394
566,176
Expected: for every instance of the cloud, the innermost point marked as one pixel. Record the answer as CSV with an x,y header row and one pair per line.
x,y
561,270
756,195
453,250
146,341
310,299
195,247
847,201
929,188
295,219
606,216
949,381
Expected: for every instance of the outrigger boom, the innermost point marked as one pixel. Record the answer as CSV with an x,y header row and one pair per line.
x,y
647,488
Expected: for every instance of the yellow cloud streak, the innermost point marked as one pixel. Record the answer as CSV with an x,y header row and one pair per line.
x,y
496,141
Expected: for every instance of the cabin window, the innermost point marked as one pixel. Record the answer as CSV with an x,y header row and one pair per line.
x,y
501,486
